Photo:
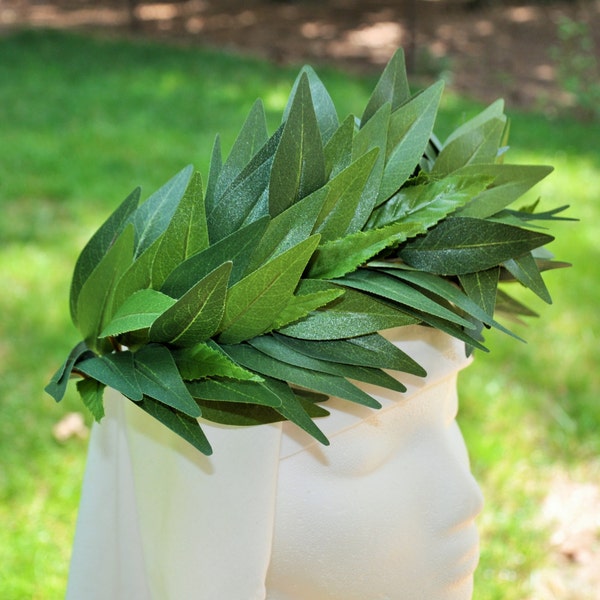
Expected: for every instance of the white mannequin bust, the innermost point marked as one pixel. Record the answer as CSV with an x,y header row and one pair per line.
x,y
386,512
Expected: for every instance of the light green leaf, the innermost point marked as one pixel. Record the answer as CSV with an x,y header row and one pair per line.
x,y
391,88
216,164
351,315
116,370
525,270
99,244
195,317
153,216
338,150
206,359
255,302
92,392
493,111
159,378
139,311
299,164
410,129
57,386
464,245
236,248
186,234
94,305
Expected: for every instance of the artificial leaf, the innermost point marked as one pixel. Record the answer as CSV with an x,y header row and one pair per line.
x,y
94,304
57,386
510,307
481,287
525,270
98,246
465,245
195,317
186,234
391,88
236,248
139,311
207,360
409,133
494,111
246,392
216,164
338,150
116,370
159,378
299,164
255,302
153,216
92,392
180,423
238,414
350,315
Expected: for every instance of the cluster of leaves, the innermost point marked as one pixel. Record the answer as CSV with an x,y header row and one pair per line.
x,y
256,298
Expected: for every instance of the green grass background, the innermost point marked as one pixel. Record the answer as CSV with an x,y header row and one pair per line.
x,y
83,121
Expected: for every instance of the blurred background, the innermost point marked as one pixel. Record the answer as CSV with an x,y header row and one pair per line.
x,y
97,98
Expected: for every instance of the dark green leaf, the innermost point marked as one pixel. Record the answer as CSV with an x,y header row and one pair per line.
x,y
92,392
525,270
481,287
57,386
246,392
338,150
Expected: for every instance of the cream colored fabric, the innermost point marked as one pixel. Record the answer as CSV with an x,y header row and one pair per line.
x,y
159,521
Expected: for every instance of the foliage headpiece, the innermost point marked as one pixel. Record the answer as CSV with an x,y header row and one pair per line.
x,y
255,299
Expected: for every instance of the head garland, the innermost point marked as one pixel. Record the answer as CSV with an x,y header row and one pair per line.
x,y
254,299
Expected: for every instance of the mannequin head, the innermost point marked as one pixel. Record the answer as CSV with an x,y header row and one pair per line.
x,y
389,506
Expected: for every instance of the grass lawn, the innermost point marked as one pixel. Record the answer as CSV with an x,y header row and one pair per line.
x,y
84,121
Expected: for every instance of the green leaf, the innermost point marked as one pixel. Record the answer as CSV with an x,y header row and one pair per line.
x,y
351,315
116,370
253,359
207,360
387,286
94,305
245,392
186,234
255,302
512,308
195,317
152,217
92,392
465,245
184,426
139,311
95,250
493,111
368,351
57,386
410,130
216,164
391,88
236,248
325,111
344,194
299,164
525,270
481,287
159,378
338,150
510,183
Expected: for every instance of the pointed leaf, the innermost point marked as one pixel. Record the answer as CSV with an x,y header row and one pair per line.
x,y
246,392
481,287
159,378
493,111
216,164
92,392
57,386
525,270
338,150
195,317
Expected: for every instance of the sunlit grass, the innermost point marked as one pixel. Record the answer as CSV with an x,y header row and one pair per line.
x,y
84,121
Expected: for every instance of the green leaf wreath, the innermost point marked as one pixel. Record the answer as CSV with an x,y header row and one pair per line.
x,y
256,297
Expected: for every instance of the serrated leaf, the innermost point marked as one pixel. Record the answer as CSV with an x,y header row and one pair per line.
x,y
236,248
325,111
184,426
153,216
525,270
159,378
465,245
57,386
245,392
255,302
92,392
253,359
195,317
344,193
186,235
391,88
207,360
410,130
387,286
94,305
116,370
98,246
139,311
299,164
369,351
338,150
350,315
